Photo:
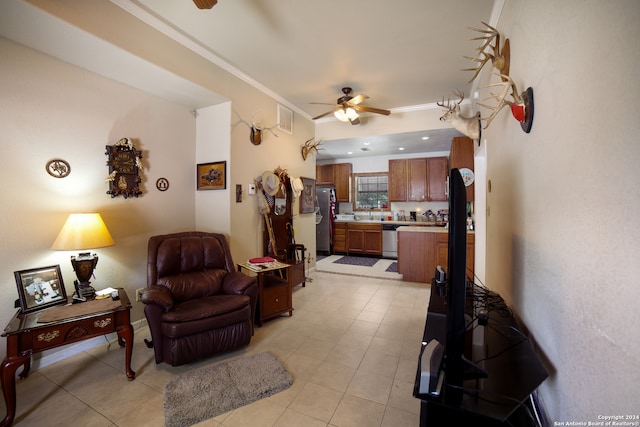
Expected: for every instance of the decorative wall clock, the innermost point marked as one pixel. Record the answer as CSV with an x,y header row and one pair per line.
x,y
124,169
58,168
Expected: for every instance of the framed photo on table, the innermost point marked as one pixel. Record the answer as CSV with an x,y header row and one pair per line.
x,y
211,176
40,288
308,195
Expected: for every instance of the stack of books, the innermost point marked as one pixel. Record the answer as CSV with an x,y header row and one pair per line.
x,y
263,263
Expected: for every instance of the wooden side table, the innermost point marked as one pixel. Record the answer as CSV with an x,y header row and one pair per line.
x,y
274,289
27,335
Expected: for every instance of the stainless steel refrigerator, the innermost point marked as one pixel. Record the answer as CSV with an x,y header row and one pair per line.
x,y
325,197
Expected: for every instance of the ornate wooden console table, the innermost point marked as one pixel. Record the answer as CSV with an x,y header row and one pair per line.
x,y
31,333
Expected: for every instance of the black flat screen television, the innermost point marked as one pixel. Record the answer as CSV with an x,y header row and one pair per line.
x,y
457,367
456,288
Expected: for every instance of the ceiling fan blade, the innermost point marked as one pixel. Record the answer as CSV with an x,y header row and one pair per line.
x,y
358,99
322,115
371,110
205,4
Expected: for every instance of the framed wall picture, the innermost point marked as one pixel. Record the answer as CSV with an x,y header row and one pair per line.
x,y
211,176
40,288
308,195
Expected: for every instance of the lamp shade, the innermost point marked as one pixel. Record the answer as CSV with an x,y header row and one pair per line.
x,y
83,231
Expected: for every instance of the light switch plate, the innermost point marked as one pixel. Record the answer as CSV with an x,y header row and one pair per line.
x,y
252,189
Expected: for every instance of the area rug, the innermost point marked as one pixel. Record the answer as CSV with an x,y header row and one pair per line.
x,y
356,260
393,267
213,390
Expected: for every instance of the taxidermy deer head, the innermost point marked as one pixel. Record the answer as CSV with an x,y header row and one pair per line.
x,y
255,135
310,146
469,126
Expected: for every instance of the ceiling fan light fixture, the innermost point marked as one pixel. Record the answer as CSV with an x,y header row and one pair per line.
x,y
346,114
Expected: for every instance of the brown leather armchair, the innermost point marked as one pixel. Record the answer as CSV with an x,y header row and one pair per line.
x,y
196,303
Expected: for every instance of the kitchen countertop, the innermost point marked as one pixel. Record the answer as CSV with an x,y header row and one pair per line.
x,y
403,223
427,229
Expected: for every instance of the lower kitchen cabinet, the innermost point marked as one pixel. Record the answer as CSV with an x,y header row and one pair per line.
x,y
340,237
419,252
358,238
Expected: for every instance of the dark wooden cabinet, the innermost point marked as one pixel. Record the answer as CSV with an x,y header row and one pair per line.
x,y
418,180
462,156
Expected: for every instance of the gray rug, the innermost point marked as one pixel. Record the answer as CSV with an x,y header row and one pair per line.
x,y
357,260
213,390
393,267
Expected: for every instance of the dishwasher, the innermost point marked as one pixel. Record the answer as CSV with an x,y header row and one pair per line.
x,y
390,241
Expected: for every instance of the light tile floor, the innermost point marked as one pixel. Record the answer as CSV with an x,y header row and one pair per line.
x,y
351,345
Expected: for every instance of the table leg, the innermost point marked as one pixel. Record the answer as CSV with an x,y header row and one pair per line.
x,y
126,335
7,376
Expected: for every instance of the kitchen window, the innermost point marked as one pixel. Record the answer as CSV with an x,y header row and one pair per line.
x,y
371,190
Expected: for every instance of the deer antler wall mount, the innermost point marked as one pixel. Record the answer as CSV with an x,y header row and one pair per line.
x,y
521,104
310,146
469,126
255,135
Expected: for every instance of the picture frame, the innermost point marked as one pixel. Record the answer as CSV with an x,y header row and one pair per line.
x,y
40,288
211,176
308,195
285,119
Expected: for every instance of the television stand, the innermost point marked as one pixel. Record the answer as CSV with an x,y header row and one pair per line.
x,y
513,371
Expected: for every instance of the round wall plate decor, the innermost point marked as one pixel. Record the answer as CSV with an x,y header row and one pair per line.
x,y
58,168
162,184
467,176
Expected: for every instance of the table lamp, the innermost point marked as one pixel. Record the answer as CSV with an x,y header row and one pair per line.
x,y
83,231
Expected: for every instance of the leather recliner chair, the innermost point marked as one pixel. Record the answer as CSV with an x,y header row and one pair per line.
x,y
196,303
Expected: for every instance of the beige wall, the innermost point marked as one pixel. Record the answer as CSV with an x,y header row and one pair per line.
x,y
51,109
562,224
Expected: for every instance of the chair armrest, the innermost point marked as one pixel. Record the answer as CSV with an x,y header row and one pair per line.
x,y
237,283
158,295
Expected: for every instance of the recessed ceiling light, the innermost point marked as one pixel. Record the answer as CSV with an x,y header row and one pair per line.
x,y
366,143
401,148
424,138
349,152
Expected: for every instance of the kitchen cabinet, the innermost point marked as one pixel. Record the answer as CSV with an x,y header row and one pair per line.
x,y
340,237
338,175
419,252
462,156
364,239
437,173
418,180
324,175
397,180
342,180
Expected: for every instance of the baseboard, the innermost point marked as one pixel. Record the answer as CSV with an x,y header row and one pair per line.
x,y
42,360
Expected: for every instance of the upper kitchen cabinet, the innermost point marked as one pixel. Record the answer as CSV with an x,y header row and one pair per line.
x,y
338,175
437,173
461,156
397,180
418,180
